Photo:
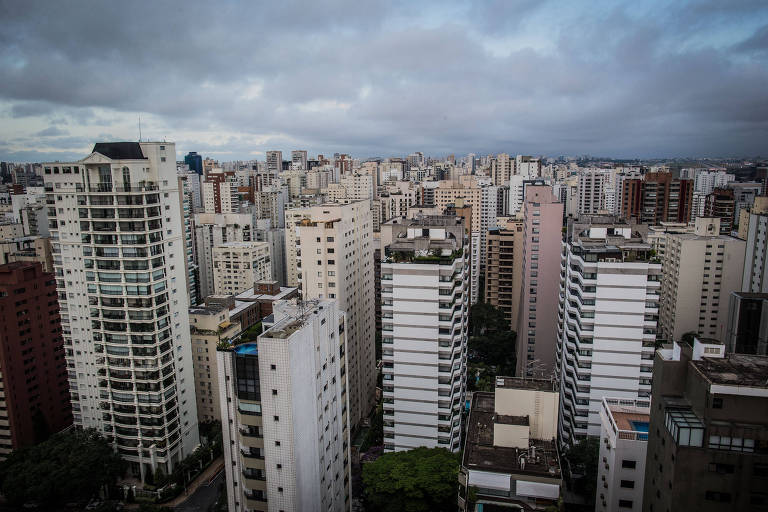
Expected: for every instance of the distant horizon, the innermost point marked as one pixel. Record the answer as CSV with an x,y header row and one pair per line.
x,y
638,80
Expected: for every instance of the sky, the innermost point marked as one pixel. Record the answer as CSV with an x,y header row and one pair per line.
x,y
233,79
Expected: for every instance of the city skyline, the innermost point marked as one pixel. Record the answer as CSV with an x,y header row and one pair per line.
x,y
234,81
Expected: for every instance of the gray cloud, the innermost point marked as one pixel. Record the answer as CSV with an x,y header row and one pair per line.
x,y
381,78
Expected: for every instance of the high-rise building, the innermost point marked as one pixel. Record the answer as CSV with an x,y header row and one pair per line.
x,y
274,162
187,219
722,205
755,233
747,331
209,326
503,271
238,266
34,402
609,289
540,282
292,217
592,183
28,248
502,168
708,430
119,255
212,230
424,309
656,198
621,460
194,161
335,260
283,409
510,457
701,269
528,166
299,159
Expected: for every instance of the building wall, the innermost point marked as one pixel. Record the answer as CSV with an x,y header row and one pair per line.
x,y
542,235
238,266
34,394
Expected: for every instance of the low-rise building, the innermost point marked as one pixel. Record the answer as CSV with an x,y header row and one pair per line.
x,y
510,455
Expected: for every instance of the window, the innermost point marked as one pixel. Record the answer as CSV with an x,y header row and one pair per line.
x,y
628,484
628,464
625,503
276,418
717,403
722,497
274,392
723,469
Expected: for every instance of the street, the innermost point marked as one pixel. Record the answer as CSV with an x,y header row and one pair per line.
x,y
204,497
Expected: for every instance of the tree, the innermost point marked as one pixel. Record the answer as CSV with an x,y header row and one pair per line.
x,y
583,460
424,479
491,340
69,466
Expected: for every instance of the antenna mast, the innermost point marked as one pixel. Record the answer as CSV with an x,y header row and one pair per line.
x,y
139,128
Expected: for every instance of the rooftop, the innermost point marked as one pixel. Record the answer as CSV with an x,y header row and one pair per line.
x,y
212,309
520,383
481,454
743,370
120,150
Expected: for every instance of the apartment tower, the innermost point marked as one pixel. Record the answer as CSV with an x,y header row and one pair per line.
x,y
119,254
335,261
424,309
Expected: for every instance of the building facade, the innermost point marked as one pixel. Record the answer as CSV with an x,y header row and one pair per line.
x,y
119,255
424,308
238,266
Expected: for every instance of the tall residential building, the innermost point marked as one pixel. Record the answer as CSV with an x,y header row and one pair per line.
x,y
212,230
658,197
722,205
238,266
194,161
284,412
335,260
34,395
528,166
708,429
540,282
503,271
28,248
755,277
592,183
747,331
502,168
621,460
209,326
292,217
510,459
298,159
424,309
609,295
274,162
187,219
119,256
701,269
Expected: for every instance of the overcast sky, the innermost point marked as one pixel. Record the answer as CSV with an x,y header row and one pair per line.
x,y
233,79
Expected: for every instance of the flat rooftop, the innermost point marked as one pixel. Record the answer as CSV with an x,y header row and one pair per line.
x,y
744,370
481,455
520,383
212,309
631,421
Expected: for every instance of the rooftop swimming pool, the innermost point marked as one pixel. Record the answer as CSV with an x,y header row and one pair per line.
x,y
252,349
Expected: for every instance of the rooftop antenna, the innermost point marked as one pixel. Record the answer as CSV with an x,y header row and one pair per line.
x,y
139,127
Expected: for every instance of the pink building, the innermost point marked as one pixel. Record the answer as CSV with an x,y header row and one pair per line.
x,y
537,319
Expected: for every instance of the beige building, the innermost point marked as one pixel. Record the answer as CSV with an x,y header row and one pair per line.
x,y
237,266
502,168
701,269
504,266
336,262
209,326
28,248
292,216
449,193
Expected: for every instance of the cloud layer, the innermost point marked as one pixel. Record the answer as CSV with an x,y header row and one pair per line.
x,y
234,79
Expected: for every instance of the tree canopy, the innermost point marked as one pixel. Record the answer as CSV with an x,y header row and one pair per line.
x,y
424,479
583,458
491,340
69,466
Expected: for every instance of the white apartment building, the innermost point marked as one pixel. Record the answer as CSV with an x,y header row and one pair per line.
x,y
608,314
299,159
755,277
238,266
592,191
707,181
283,407
528,166
119,258
424,309
335,261
274,162
621,462
212,229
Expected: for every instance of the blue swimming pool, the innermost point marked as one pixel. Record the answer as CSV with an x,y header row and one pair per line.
x,y
247,348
